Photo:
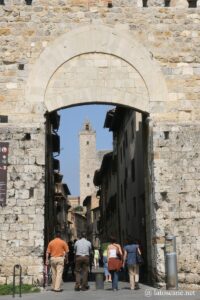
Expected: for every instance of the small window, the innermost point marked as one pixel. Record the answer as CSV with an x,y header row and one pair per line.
x,y
192,3
126,173
88,176
145,3
88,184
167,3
166,135
87,143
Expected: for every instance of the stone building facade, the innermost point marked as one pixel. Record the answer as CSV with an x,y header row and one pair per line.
x,y
91,203
121,181
75,52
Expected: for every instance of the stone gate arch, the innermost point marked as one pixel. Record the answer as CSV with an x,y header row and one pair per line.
x,y
69,49
49,83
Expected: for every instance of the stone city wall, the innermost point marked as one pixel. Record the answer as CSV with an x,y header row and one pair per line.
x,y
176,207
171,37
22,219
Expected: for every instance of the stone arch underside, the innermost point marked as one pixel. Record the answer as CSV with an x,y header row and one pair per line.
x,y
61,75
96,77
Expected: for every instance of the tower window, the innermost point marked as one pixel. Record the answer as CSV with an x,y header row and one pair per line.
x,y
88,176
87,143
88,184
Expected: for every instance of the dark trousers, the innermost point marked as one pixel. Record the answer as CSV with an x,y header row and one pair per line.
x,y
81,271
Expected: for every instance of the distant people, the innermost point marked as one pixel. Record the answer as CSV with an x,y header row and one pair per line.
x,y
82,249
91,260
142,267
96,258
71,261
114,261
57,250
105,262
130,252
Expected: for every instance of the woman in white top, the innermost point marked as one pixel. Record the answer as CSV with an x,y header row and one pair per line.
x,y
96,258
114,251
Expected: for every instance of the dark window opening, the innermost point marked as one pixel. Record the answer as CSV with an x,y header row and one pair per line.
x,y
28,2
2,2
166,135
27,136
3,119
56,164
192,3
55,143
126,173
167,3
21,67
31,192
133,169
145,3
87,143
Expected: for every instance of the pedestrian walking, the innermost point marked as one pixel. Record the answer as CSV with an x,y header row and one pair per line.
x,y
114,261
82,250
70,264
107,274
96,258
125,267
57,251
130,255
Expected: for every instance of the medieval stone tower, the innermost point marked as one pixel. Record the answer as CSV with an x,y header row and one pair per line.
x,y
88,160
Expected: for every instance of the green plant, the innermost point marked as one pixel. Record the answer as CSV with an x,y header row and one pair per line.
x,y
78,208
7,289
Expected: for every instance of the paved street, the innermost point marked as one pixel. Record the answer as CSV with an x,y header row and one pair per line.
x,y
124,292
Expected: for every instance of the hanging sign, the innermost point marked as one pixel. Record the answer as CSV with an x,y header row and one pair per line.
x,y
3,172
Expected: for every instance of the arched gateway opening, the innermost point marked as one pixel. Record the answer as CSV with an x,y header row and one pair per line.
x,y
100,65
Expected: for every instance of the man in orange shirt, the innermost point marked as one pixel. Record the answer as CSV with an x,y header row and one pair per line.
x,y
58,251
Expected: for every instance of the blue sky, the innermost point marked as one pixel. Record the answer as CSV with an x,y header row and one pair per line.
x,y
72,120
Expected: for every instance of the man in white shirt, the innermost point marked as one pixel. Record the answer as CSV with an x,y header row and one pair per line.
x,y
82,250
